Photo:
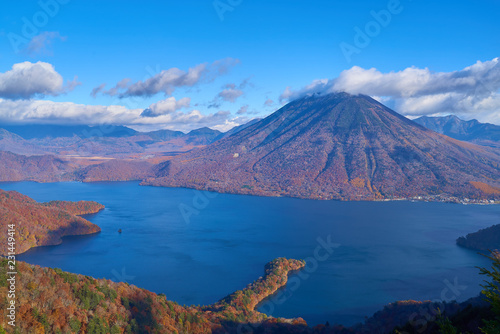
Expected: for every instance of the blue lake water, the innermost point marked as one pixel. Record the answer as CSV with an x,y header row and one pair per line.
x,y
197,251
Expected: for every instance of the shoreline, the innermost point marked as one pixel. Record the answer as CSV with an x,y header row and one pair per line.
x,y
440,198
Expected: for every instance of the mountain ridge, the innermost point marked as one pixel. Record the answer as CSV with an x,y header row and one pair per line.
x,y
40,131
473,131
109,141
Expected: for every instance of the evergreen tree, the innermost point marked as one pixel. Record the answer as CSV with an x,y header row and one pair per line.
x,y
492,292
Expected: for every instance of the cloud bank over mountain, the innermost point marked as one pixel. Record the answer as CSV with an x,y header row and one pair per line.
x,y
50,112
472,92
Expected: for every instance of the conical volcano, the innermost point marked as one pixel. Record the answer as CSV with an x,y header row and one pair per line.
x,y
337,146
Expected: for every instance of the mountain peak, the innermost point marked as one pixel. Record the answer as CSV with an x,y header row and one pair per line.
x,y
204,129
341,110
336,146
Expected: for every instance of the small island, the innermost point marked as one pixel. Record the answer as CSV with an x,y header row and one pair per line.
x,y
43,224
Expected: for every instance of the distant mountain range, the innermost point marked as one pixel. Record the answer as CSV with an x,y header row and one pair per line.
x,y
473,131
337,146
107,141
81,153
40,131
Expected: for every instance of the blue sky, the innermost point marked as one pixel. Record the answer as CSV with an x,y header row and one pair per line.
x,y
271,45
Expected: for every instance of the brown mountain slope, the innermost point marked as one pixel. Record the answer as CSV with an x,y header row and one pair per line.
x,y
48,168
336,146
42,224
115,170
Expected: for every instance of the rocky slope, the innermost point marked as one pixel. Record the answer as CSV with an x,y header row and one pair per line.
x,y
337,146
42,224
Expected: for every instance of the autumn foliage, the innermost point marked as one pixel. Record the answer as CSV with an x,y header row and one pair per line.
x,y
43,224
53,301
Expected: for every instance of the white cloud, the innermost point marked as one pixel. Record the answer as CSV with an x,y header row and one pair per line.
x,y
414,82
269,103
318,85
97,90
41,43
243,110
49,112
193,119
472,92
166,106
27,80
230,93
167,81
229,124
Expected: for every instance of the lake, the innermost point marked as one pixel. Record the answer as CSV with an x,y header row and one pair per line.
x,y
198,247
